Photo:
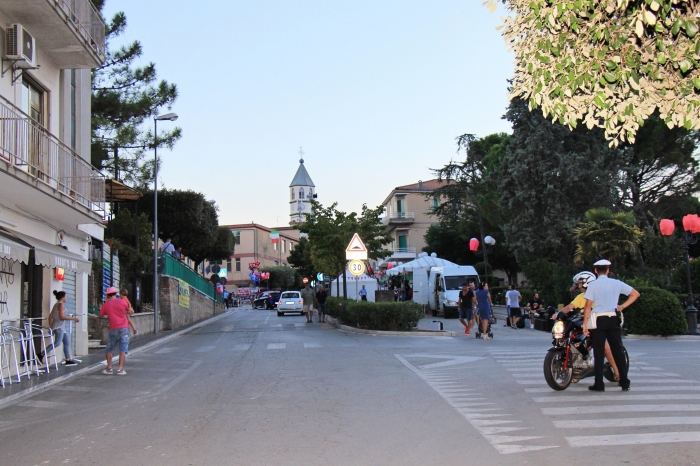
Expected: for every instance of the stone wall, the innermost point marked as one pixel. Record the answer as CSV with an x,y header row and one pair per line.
x,y
171,315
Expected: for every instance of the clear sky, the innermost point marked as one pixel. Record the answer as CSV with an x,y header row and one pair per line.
x,y
375,91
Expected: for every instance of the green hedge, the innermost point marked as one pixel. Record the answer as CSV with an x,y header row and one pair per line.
x,y
656,312
396,316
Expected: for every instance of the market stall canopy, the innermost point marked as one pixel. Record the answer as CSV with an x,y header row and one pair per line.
x,y
13,248
116,191
423,261
53,256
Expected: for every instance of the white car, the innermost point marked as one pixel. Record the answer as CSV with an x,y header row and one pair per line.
x,y
290,301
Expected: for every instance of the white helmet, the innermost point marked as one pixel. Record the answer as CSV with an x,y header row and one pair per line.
x,y
584,278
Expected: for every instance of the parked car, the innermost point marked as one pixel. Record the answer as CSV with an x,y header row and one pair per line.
x,y
289,301
266,300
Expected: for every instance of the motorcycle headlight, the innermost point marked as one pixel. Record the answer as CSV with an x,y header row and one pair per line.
x,y
558,329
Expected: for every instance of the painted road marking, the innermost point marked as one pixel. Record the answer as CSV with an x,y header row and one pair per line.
x,y
204,349
627,422
240,347
618,409
633,439
449,360
277,346
313,345
228,328
621,396
636,389
166,350
43,404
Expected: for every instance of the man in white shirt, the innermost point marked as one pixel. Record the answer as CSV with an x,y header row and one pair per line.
x,y
167,247
602,297
513,298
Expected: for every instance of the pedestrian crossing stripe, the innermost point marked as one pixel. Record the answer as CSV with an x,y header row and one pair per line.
x,y
633,439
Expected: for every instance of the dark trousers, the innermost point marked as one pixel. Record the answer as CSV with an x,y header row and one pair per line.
x,y
609,329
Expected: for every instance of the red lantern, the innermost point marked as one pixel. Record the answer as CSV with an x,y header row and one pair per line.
x,y
691,223
667,226
389,265
473,244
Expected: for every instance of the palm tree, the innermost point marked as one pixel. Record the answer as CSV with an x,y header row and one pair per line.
x,y
608,235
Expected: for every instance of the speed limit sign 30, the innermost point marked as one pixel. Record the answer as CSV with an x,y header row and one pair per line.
x,y
356,267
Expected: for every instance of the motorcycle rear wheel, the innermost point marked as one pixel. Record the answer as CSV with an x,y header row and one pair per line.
x,y
608,372
556,377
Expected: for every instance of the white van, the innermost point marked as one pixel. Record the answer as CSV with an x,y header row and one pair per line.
x,y
444,285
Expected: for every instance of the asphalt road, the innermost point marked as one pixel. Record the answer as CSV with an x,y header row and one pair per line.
x,y
254,388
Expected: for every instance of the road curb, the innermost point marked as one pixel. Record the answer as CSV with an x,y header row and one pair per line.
x,y
419,333
86,370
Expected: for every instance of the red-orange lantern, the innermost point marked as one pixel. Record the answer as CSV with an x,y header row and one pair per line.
x,y
667,226
691,223
473,244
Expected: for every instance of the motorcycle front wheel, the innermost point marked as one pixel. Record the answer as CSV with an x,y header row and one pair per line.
x,y
609,373
556,377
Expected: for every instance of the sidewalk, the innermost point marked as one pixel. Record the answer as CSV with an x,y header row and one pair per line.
x,y
91,362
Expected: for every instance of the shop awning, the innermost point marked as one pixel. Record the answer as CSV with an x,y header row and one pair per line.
x,y
12,249
53,256
116,191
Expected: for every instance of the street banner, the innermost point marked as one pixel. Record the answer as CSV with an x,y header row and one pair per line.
x,y
183,294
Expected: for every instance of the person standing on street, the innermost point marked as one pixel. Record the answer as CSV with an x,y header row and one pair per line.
x,y
57,320
484,304
465,305
168,247
307,296
363,293
534,307
602,297
321,297
116,310
513,298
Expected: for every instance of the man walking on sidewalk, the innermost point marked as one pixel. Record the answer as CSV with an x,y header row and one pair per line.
x,y
307,296
321,297
116,310
465,304
513,298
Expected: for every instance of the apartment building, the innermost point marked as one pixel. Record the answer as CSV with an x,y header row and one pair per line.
x,y
254,243
51,197
407,218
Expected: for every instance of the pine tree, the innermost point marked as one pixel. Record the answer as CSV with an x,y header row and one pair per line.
x,y
124,99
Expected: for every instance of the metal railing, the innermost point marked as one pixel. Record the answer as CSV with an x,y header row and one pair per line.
x,y
399,216
87,20
177,269
402,250
32,149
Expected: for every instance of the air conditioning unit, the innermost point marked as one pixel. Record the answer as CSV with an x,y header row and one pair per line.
x,y
20,46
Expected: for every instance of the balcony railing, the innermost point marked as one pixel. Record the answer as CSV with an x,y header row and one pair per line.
x,y
402,250
399,217
87,21
29,147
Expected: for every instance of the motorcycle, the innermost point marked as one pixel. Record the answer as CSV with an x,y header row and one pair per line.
x,y
570,359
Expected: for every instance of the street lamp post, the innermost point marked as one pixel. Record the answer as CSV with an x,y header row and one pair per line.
x,y
171,117
691,226
489,243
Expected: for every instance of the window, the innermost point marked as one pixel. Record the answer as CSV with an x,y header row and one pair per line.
x,y
238,264
311,193
237,238
32,100
400,208
293,193
435,203
72,110
284,246
228,265
291,246
301,193
274,245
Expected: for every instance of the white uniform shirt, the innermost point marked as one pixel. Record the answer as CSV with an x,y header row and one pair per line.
x,y
605,293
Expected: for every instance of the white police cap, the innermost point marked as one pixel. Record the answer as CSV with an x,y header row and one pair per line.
x,y
603,262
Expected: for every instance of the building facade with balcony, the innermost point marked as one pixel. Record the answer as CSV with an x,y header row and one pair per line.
x,y
253,243
51,197
407,218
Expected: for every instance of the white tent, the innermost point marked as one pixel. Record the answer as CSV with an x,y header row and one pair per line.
x,y
355,285
420,269
422,262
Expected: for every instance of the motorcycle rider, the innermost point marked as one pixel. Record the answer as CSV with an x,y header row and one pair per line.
x,y
581,282
605,293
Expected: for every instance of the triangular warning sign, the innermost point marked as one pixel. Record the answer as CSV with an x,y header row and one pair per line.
x,y
356,249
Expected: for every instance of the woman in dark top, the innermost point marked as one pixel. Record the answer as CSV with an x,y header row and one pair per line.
x,y
483,305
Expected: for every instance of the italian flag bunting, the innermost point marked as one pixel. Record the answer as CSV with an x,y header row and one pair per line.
x,y
275,236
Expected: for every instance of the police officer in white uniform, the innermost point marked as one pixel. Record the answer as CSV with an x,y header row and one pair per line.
x,y
602,297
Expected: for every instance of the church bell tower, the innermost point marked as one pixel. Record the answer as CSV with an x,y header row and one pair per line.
x,y
301,191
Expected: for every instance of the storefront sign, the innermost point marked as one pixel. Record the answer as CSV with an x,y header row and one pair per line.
x,y
183,293
60,274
